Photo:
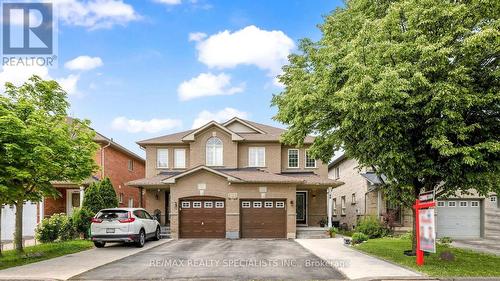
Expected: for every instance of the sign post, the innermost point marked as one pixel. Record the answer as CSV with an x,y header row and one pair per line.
x,y
423,205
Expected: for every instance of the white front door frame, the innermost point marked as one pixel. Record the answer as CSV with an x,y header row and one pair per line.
x,y
69,202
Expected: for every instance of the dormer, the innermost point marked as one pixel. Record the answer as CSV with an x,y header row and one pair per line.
x,y
240,126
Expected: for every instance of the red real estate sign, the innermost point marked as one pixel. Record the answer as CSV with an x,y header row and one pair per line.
x,y
427,230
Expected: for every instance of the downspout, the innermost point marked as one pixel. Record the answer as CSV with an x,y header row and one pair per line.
x,y
103,158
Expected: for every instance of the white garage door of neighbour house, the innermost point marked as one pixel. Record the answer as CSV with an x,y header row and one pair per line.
x,y
8,220
458,218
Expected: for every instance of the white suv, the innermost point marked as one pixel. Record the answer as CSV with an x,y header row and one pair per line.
x,y
123,225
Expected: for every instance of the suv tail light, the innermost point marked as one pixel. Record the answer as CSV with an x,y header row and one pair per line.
x,y
128,220
95,220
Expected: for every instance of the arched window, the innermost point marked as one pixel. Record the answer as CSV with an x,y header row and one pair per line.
x,y
214,152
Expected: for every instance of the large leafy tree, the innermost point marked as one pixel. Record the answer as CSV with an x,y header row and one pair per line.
x,y
409,87
40,145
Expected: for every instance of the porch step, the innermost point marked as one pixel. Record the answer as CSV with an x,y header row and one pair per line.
x,y
165,231
312,233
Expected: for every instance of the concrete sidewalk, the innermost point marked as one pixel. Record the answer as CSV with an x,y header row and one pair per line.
x,y
65,267
351,263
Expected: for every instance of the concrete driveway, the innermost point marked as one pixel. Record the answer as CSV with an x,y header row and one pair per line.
x,y
218,259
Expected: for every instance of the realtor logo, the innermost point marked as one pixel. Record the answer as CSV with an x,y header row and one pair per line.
x,y
28,33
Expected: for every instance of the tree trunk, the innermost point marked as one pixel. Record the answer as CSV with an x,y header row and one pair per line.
x,y
18,234
416,189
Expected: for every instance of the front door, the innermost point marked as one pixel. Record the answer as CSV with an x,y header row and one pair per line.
x,y
72,200
301,207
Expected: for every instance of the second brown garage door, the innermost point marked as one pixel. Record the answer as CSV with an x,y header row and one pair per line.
x,y
263,218
202,218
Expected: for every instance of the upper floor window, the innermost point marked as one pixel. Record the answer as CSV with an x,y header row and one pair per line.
x,y
293,158
130,165
256,156
179,158
214,152
353,198
162,158
342,206
310,162
336,172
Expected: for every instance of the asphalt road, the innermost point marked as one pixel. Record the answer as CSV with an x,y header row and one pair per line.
x,y
218,259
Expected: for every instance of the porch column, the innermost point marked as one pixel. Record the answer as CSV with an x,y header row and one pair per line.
x,y
82,192
329,206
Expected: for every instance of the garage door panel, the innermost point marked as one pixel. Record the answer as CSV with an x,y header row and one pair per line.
x,y
262,222
204,221
458,221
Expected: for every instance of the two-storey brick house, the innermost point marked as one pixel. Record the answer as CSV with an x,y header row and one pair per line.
x,y
233,180
117,163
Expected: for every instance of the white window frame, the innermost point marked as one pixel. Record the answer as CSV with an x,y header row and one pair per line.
x,y
120,198
256,157
197,204
257,204
334,206
185,205
305,161
214,153
441,204
336,172
493,198
131,202
298,158
280,204
246,204
472,203
268,204
208,204
219,204
353,198
130,165
454,204
183,151
466,204
158,150
342,206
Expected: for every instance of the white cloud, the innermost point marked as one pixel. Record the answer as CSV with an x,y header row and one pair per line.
x,y
197,36
17,75
268,50
149,126
84,63
207,84
96,14
168,2
223,115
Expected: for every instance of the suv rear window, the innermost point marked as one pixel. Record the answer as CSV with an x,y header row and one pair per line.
x,y
112,215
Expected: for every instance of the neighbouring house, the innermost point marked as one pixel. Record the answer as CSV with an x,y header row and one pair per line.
x,y
465,216
114,161
117,163
233,180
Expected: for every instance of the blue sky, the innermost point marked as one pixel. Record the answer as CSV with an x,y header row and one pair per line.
x,y
144,68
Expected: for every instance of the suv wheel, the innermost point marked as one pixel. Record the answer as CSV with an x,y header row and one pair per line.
x,y
98,244
142,239
157,234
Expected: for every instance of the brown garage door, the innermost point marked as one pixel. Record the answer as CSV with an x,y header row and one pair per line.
x,y
202,218
264,218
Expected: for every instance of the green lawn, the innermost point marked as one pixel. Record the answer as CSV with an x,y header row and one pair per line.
x,y
466,263
43,252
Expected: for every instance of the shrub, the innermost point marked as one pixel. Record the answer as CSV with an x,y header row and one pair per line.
x,y
445,240
407,236
57,227
81,221
108,194
359,237
92,200
372,227
332,231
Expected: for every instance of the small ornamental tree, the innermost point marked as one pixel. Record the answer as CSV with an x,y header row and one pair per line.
x,y
38,145
108,194
410,88
92,200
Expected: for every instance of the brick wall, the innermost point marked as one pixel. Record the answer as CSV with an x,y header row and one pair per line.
x,y
116,168
55,205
